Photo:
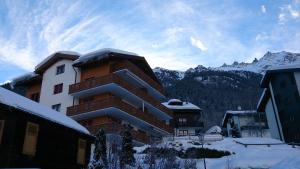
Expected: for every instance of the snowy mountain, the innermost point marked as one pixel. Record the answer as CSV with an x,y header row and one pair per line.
x,y
267,61
217,90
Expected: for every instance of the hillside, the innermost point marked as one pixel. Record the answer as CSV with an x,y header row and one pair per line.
x,y
223,88
214,91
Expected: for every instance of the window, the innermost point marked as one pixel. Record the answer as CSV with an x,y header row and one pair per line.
x,y
183,132
56,107
35,97
1,130
60,69
81,151
58,88
30,140
182,120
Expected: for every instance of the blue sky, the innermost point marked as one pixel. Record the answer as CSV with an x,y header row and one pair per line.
x,y
172,34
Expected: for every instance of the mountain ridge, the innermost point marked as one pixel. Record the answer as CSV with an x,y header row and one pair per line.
x,y
269,60
217,90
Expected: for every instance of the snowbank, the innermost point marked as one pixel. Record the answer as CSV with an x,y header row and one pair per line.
x,y
278,156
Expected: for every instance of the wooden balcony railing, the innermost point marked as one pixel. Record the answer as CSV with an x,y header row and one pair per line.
x,y
134,69
117,103
117,129
114,78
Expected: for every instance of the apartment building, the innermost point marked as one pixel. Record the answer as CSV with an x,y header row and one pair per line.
x,y
280,101
103,89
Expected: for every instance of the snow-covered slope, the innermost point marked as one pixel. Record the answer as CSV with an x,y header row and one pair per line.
x,y
269,60
268,153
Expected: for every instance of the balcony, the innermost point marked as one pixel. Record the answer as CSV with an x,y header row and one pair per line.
x,y
133,73
190,124
115,107
117,129
112,83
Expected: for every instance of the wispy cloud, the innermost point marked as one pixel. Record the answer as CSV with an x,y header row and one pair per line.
x,y
263,9
173,34
288,12
198,44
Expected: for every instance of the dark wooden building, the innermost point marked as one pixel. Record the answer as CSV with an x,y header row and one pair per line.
x,y
34,136
280,101
187,117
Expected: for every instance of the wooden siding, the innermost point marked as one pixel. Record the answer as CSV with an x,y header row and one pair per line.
x,y
117,128
32,89
193,119
95,71
114,78
94,97
135,70
98,121
119,104
56,145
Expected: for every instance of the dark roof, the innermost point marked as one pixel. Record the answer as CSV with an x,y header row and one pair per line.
x,y
108,53
50,60
280,69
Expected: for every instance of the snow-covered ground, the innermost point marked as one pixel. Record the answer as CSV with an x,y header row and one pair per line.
x,y
276,156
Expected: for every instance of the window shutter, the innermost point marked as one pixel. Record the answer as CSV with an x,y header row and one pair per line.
x,y
1,130
81,151
30,141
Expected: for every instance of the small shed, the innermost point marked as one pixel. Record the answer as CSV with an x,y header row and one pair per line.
x,y
35,136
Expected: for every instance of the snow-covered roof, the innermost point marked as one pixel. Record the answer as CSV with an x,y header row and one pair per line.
x,y
71,55
23,77
237,112
100,54
214,129
291,66
240,112
185,105
19,102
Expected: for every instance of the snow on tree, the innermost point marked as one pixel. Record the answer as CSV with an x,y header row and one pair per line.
x,y
99,160
127,152
190,164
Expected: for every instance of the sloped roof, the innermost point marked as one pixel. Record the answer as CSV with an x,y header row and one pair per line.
x,y
103,54
19,102
236,112
287,68
184,106
26,78
108,53
50,60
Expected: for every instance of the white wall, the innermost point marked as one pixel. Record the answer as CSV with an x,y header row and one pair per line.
x,y
50,79
245,120
256,133
270,113
297,78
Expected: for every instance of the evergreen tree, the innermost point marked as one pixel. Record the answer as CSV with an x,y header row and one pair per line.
x,y
127,153
99,160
